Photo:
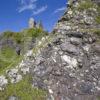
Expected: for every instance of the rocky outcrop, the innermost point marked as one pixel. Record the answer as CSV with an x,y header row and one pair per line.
x,y
69,67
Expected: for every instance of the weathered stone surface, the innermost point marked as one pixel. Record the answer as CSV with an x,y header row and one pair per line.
x,y
14,75
69,67
75,41
72,62
86,87
75,34
67,47
3,82
96,48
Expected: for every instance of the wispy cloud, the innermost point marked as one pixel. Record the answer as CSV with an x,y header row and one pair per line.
x,y
59,9
26,5
40,10
27,1
32,6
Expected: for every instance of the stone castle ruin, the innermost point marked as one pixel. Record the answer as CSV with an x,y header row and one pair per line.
x,y
33,24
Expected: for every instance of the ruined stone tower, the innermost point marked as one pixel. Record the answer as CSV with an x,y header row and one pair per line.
x,y
32,23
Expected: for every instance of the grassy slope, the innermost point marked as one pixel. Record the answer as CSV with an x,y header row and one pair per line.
x,y
23,90
8,56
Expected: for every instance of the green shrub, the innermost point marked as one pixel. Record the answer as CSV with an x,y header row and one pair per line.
x,y
35,32
18,37
8,34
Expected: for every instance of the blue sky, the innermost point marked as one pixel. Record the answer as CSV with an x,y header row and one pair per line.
x,y
14,14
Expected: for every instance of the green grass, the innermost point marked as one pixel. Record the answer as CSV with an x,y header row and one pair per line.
x,y
84,5
23,90
3,65
98,98
97,19
8,65
18,37
97,32
35,33
8,53
8,58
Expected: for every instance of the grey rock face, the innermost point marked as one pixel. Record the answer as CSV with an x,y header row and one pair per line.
x,y
69,67
75,34
96,48
67,47
86,87
75,41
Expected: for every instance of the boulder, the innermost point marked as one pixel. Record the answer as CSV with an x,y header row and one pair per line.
x,y
3,82
14,75
67,47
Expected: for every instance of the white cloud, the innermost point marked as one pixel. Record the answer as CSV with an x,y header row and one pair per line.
x,y
27,1
30,5
59,9
40,10
26,7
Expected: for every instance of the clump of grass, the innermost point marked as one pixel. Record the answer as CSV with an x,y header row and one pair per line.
x,y
84,5
3,65
23,90
8,52
98,9
8,58
97,32
97,19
